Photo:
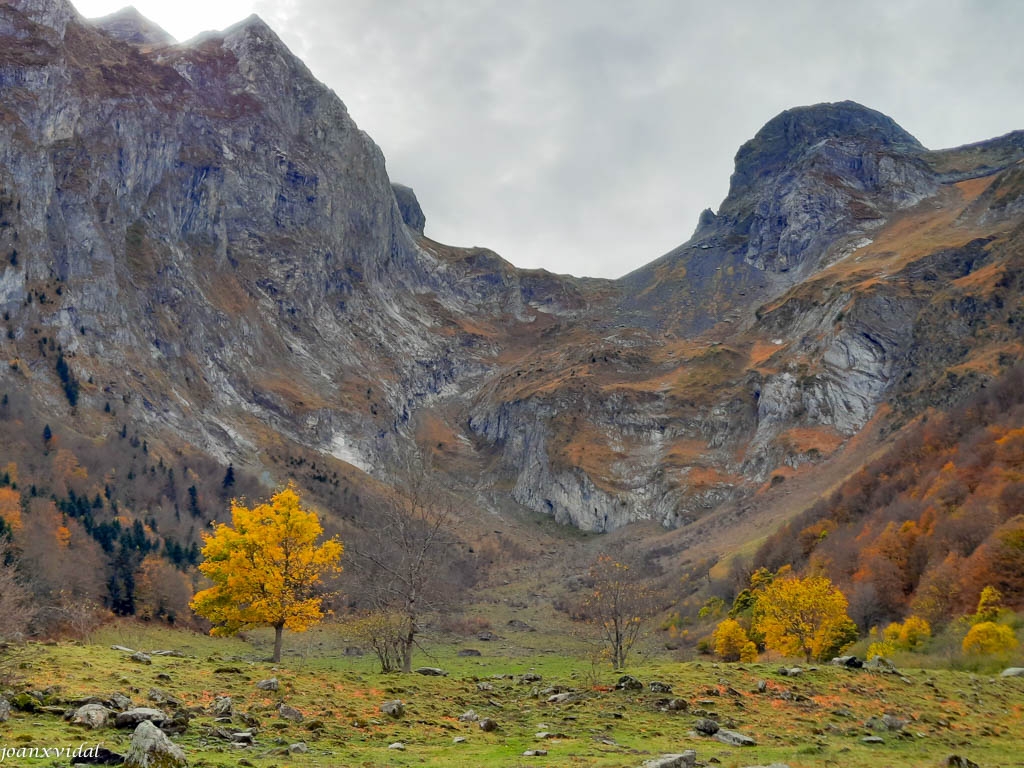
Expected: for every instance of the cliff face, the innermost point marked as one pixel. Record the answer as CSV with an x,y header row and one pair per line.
x,y
213,243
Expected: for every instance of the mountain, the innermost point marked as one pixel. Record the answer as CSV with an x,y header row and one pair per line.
x,y
202,251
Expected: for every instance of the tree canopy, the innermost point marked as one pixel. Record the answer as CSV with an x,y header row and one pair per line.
x,y
266,568
803,617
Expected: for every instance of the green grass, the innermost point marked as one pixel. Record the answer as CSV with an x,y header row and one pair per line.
x,y
799,721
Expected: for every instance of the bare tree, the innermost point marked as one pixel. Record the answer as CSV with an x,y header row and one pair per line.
x,y
403,563
620,602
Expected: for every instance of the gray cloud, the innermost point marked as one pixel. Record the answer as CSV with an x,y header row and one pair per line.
x,y
585,136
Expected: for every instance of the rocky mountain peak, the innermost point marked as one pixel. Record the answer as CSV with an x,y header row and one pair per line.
x,y
409,206
130,26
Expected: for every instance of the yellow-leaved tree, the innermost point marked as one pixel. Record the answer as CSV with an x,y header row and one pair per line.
x,y
266,568
803,617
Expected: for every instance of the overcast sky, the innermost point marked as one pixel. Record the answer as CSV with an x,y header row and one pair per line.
x,y
586,136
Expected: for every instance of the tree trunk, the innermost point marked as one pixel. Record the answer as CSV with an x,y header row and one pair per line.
x,y
407,650
278,641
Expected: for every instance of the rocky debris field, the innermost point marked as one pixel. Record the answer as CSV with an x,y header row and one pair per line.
x,y
213,704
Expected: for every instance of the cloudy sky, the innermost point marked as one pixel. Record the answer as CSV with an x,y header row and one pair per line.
x,y
586,136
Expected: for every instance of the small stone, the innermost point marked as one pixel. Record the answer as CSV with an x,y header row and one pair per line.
x,y
469,716
529,677
141,658
459,740
242,737
431,672
150,748
487,725
397,745
735,739
628,683
484,687
394,708
563,698
271,684
289,713
222,706
535,753
873,740
299,748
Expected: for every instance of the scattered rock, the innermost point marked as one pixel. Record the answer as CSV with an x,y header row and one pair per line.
x,y
397,745
469,716
893,723
133,717
141,658
687,759
735,738
656,686
873,740
175,654
158,696
5,710
150,748
299,748
393,708
469,652
242,737
706,726
222,707
677,705
289,713
270,684
487,725
1011,672
762,686
431,672
91,716
628,683
459,740
484,687
548,735
563,698
485,636
119,701
956,761
535,753
529,677
791,671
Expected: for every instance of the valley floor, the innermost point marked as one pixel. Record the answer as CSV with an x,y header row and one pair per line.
x,y
818,718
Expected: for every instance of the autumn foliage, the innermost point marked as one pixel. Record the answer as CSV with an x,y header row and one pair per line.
x,y
803,617
266,567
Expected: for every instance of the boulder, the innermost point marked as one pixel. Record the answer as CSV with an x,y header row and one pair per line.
x,y
134,717
879,664
141,658
677,705
628,683
5,710
469,716
735,738
657,686
957,761
159,696
706,726
850,662
150,748
119,702
487,725
269,684
431,672
393,708
299,748
1012,672
91,716
222,707
289,713
687,759
791,671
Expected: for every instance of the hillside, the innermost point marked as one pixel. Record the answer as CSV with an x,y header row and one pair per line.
x,y
209,285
